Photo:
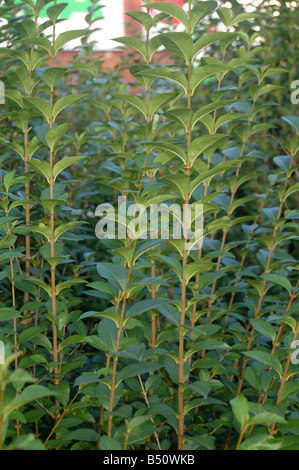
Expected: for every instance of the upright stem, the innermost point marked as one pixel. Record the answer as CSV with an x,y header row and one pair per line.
x,y
263,291
284,379
125,298
52,241
121,325
13,295
26,159
2,391
184,283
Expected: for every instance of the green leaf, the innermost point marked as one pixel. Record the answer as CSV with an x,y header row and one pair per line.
x,y
67,284
204,110
41,284
14,95
293,189
240,407
280,280
64,103
86,435
172,148
110,315
42,42
15,146
145,306
103,287
289,442
243,17
115,274
42,167
137,369
141,17
43,229
256,92
267,359
209,39
226,15
209,174
33,146
135,101
264,328
159,100
40,106
182,115
167,73
261,442
31,393
290,388
53,75
109,443
293,121
173,263
54,134
66,37
179,182
291,322
266,419
65,228
203,144
64,164
199,11
55,11
202,73
180,44
196,268
171,9
11,254
208,344
7,314
134,43
29,333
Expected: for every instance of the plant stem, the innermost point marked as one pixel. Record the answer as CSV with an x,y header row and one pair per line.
x,y
263,290
26,159
2,391
181,359
52,241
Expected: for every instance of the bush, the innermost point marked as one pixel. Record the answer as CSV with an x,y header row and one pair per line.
x,y
140,342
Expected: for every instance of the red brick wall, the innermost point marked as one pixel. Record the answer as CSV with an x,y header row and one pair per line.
x,y
132,5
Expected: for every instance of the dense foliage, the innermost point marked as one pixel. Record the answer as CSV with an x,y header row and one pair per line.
x,y
145,343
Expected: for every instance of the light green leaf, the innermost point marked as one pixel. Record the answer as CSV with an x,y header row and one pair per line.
x,y
264,328
209,39
240,409
64,164
65,228
64,103
280,280
266,358
199,11
172,9
42,167
54,134
135,101
40,106
66,37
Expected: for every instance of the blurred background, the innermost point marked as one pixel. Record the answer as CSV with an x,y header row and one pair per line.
x,y
110,20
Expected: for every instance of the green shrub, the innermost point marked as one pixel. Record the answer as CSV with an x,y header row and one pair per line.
x,y
133,343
